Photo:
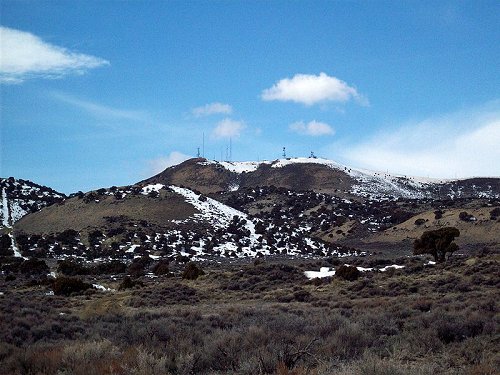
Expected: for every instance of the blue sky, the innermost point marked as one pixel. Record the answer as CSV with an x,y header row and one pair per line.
x,y
107,93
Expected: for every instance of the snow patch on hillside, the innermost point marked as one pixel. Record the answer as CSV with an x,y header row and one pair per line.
x,y
367,182
211,210
5,209
328,272
149,188
220,216
21,197
323,272
280,163
12,209
236,166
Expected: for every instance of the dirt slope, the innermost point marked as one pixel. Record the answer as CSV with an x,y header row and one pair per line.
x,y
480,232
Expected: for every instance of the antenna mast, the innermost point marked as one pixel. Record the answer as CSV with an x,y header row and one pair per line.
x,y
284,152
198,153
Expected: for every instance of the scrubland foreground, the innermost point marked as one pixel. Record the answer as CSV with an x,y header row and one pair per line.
x,y
262,317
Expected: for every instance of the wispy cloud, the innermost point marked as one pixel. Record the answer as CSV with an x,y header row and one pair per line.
x,y
228,128
25,55
460,144
100,110
311,89
161,163
312,128
212,109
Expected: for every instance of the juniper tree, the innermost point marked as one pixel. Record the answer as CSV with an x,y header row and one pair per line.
x,y
437,243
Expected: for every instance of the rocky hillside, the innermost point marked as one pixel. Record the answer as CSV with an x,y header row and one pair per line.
x,y
320,175
21,197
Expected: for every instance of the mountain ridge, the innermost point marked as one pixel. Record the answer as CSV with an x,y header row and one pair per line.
x,y
320,175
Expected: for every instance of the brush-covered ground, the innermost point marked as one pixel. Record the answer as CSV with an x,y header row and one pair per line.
x,y
252,317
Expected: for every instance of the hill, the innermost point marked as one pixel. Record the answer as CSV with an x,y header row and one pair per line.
x,y
203,209
320,175
21,197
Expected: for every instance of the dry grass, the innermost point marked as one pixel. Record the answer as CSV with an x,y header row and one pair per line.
x,y
419,320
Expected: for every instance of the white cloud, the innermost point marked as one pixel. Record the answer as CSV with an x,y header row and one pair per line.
x,y
99,110
24,55
458,145
311,89
212,109
228,128
160,164
312,128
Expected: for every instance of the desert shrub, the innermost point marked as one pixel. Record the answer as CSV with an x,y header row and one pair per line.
x,y
138,265
128,283
70,267
114,267
419,221
153,194
373,365
192,271
34,267
23,242
465,216
5,249
422,305
68,237
94,237
67,285
161,268
347,273
451,329
438,214
400,216
495,213
302,295
164,295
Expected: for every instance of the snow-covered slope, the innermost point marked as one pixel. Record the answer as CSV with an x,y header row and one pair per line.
x,y
237,232
21,197
236,166
377,185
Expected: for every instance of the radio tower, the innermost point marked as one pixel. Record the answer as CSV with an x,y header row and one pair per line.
x,y
284,152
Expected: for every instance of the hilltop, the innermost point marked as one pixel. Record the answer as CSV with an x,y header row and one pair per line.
x,y
319,175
